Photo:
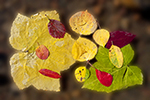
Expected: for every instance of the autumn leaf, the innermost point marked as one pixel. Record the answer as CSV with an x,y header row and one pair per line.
x,y
123,77
116,56
101,36
26,33
119,38
84,49
56,28
81,73
42,52
49,73
83,23
104,77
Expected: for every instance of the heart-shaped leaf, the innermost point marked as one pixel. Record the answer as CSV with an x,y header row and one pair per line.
x,y
119,38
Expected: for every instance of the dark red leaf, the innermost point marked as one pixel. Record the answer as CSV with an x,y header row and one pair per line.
x,y
104,78
119,38
49,73
56,28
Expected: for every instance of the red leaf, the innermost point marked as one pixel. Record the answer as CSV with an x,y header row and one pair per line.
x,y
104,78
56,29
119,38
42,52
49,73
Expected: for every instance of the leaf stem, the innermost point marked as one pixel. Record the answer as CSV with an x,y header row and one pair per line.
x,y
47,17
98,25
90,64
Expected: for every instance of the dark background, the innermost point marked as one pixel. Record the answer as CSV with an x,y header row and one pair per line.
x,y
127,15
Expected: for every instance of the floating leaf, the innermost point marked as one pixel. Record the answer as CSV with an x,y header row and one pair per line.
x,y
116,56
104,78
49,73
119,38
56,28
83,23
81,74
42,52
101,37
84,49
122,78
25,34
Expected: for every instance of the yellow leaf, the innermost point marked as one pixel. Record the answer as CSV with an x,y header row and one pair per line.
x,y
84,49
101,37
83,23
116,56
80,73
26,34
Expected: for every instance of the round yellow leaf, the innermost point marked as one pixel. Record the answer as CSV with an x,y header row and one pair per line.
x,y
80,73
101,37
116,56
83,23
84,49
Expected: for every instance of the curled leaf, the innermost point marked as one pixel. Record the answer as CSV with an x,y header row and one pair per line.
x,y
56,28
119,38
42,52
83,23
116,56
101,37
84,49
81,74
49,73
104,78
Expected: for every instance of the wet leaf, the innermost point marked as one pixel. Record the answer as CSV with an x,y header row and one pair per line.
x,y
116,56
83,23
25,65
81,74
101,37
42,52
49,73
56,28
119,38
84,49
104,77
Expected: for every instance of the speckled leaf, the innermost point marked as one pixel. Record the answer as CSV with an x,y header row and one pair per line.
x,y
84,49
119,38
83,23
116,56
26,33
81,73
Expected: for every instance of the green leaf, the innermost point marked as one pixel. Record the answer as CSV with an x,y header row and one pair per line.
x,y
122,78
103,56
128,54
